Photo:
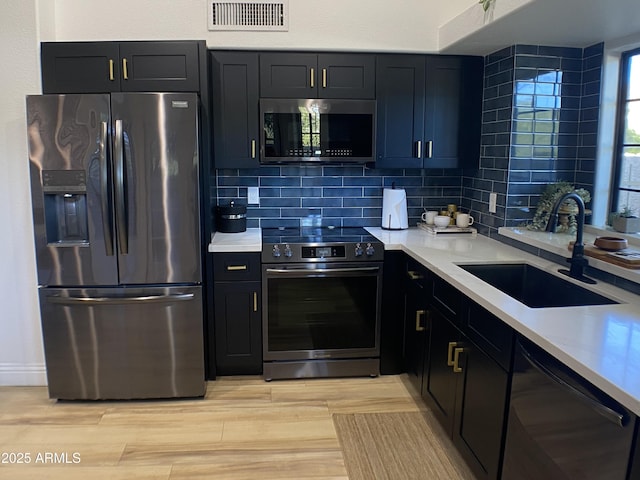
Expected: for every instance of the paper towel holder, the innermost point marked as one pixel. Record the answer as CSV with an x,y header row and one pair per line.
x,y
394,208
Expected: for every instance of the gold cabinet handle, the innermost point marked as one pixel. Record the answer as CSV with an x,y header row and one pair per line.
x,y
255,301
419,149
253,149
312,78
452,345
419,314
111,77
413,275
456,359
324,78
236,268
125,72
429,148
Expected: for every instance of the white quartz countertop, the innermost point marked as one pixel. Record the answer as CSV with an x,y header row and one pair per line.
x,y
247,241
601,343
558,243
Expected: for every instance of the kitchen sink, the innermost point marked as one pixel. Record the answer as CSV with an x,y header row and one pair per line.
x,y
534,287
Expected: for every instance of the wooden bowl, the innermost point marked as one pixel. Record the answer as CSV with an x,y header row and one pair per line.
x,y
611,244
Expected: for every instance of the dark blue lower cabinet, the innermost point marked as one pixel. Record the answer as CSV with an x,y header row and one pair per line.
x,y
237,323
463,383
480,410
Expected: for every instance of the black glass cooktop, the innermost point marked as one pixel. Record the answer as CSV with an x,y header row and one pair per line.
x,y
305,235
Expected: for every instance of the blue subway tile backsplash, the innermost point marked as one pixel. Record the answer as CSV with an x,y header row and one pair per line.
x,y
334,195
550,96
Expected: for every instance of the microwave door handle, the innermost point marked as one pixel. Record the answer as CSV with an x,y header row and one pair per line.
x,y
314,119
311,145
105,196
120,182
610,414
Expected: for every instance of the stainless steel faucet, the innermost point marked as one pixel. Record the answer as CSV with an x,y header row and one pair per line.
x,y
578,261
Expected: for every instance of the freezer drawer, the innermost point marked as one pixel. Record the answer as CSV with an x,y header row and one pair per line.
x,y
123,343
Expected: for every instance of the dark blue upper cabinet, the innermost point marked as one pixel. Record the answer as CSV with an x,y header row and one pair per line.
x,y
453,111
308,75
400,93
80,67
443,120
137,66
429,111
236,123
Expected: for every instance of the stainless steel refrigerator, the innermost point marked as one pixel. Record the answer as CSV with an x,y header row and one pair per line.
x,y
115,191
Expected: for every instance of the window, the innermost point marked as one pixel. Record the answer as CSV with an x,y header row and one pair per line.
x,y
627,185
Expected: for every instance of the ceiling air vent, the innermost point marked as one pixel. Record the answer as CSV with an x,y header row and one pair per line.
x,y
257,15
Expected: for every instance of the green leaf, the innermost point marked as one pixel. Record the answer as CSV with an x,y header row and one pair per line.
x,y
485,4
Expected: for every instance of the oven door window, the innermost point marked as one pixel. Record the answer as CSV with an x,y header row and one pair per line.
x,y
322,313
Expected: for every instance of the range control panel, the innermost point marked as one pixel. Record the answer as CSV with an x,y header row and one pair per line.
x,y
300,253
336,251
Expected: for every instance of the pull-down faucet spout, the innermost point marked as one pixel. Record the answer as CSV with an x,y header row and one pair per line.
x,y
578,261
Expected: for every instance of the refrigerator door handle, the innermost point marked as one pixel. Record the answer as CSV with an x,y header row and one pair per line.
x,y
119,300
120,182
105,198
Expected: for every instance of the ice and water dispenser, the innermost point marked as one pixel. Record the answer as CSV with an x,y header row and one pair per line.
x,y
65,206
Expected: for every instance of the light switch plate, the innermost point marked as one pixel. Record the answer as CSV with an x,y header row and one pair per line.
x,y
493,199
253,196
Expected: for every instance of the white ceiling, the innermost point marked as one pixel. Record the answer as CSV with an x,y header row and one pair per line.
x,y
571,23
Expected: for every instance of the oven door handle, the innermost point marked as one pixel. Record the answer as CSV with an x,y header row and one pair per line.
x,y
322,270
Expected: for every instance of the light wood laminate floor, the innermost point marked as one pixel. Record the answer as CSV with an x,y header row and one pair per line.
x,y
245,428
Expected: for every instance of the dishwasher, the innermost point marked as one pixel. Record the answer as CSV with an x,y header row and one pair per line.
x,y
560,425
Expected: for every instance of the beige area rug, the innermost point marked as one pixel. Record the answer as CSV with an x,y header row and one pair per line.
x,y
397,446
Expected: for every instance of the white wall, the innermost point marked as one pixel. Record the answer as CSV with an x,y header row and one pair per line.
x,y
360,25
366,25
21,356
473,19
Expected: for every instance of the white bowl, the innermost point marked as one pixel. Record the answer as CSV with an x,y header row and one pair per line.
x,y
442,221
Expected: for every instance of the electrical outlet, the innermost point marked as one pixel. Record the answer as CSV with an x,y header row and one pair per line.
x,y
493,199
253,196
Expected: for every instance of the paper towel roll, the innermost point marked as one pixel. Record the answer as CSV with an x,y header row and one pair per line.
x,y
394,209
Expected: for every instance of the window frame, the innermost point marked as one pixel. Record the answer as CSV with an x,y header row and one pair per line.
x,y
621,122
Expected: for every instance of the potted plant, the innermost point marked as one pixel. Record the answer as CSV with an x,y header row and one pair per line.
x,y
486,4
625,221
567,211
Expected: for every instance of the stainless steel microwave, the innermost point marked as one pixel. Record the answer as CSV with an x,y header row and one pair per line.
x,y
317,130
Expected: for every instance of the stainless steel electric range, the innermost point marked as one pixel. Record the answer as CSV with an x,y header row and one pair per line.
x,y
322,291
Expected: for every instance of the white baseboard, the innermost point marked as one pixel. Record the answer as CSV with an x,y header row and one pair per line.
x,y
17,374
